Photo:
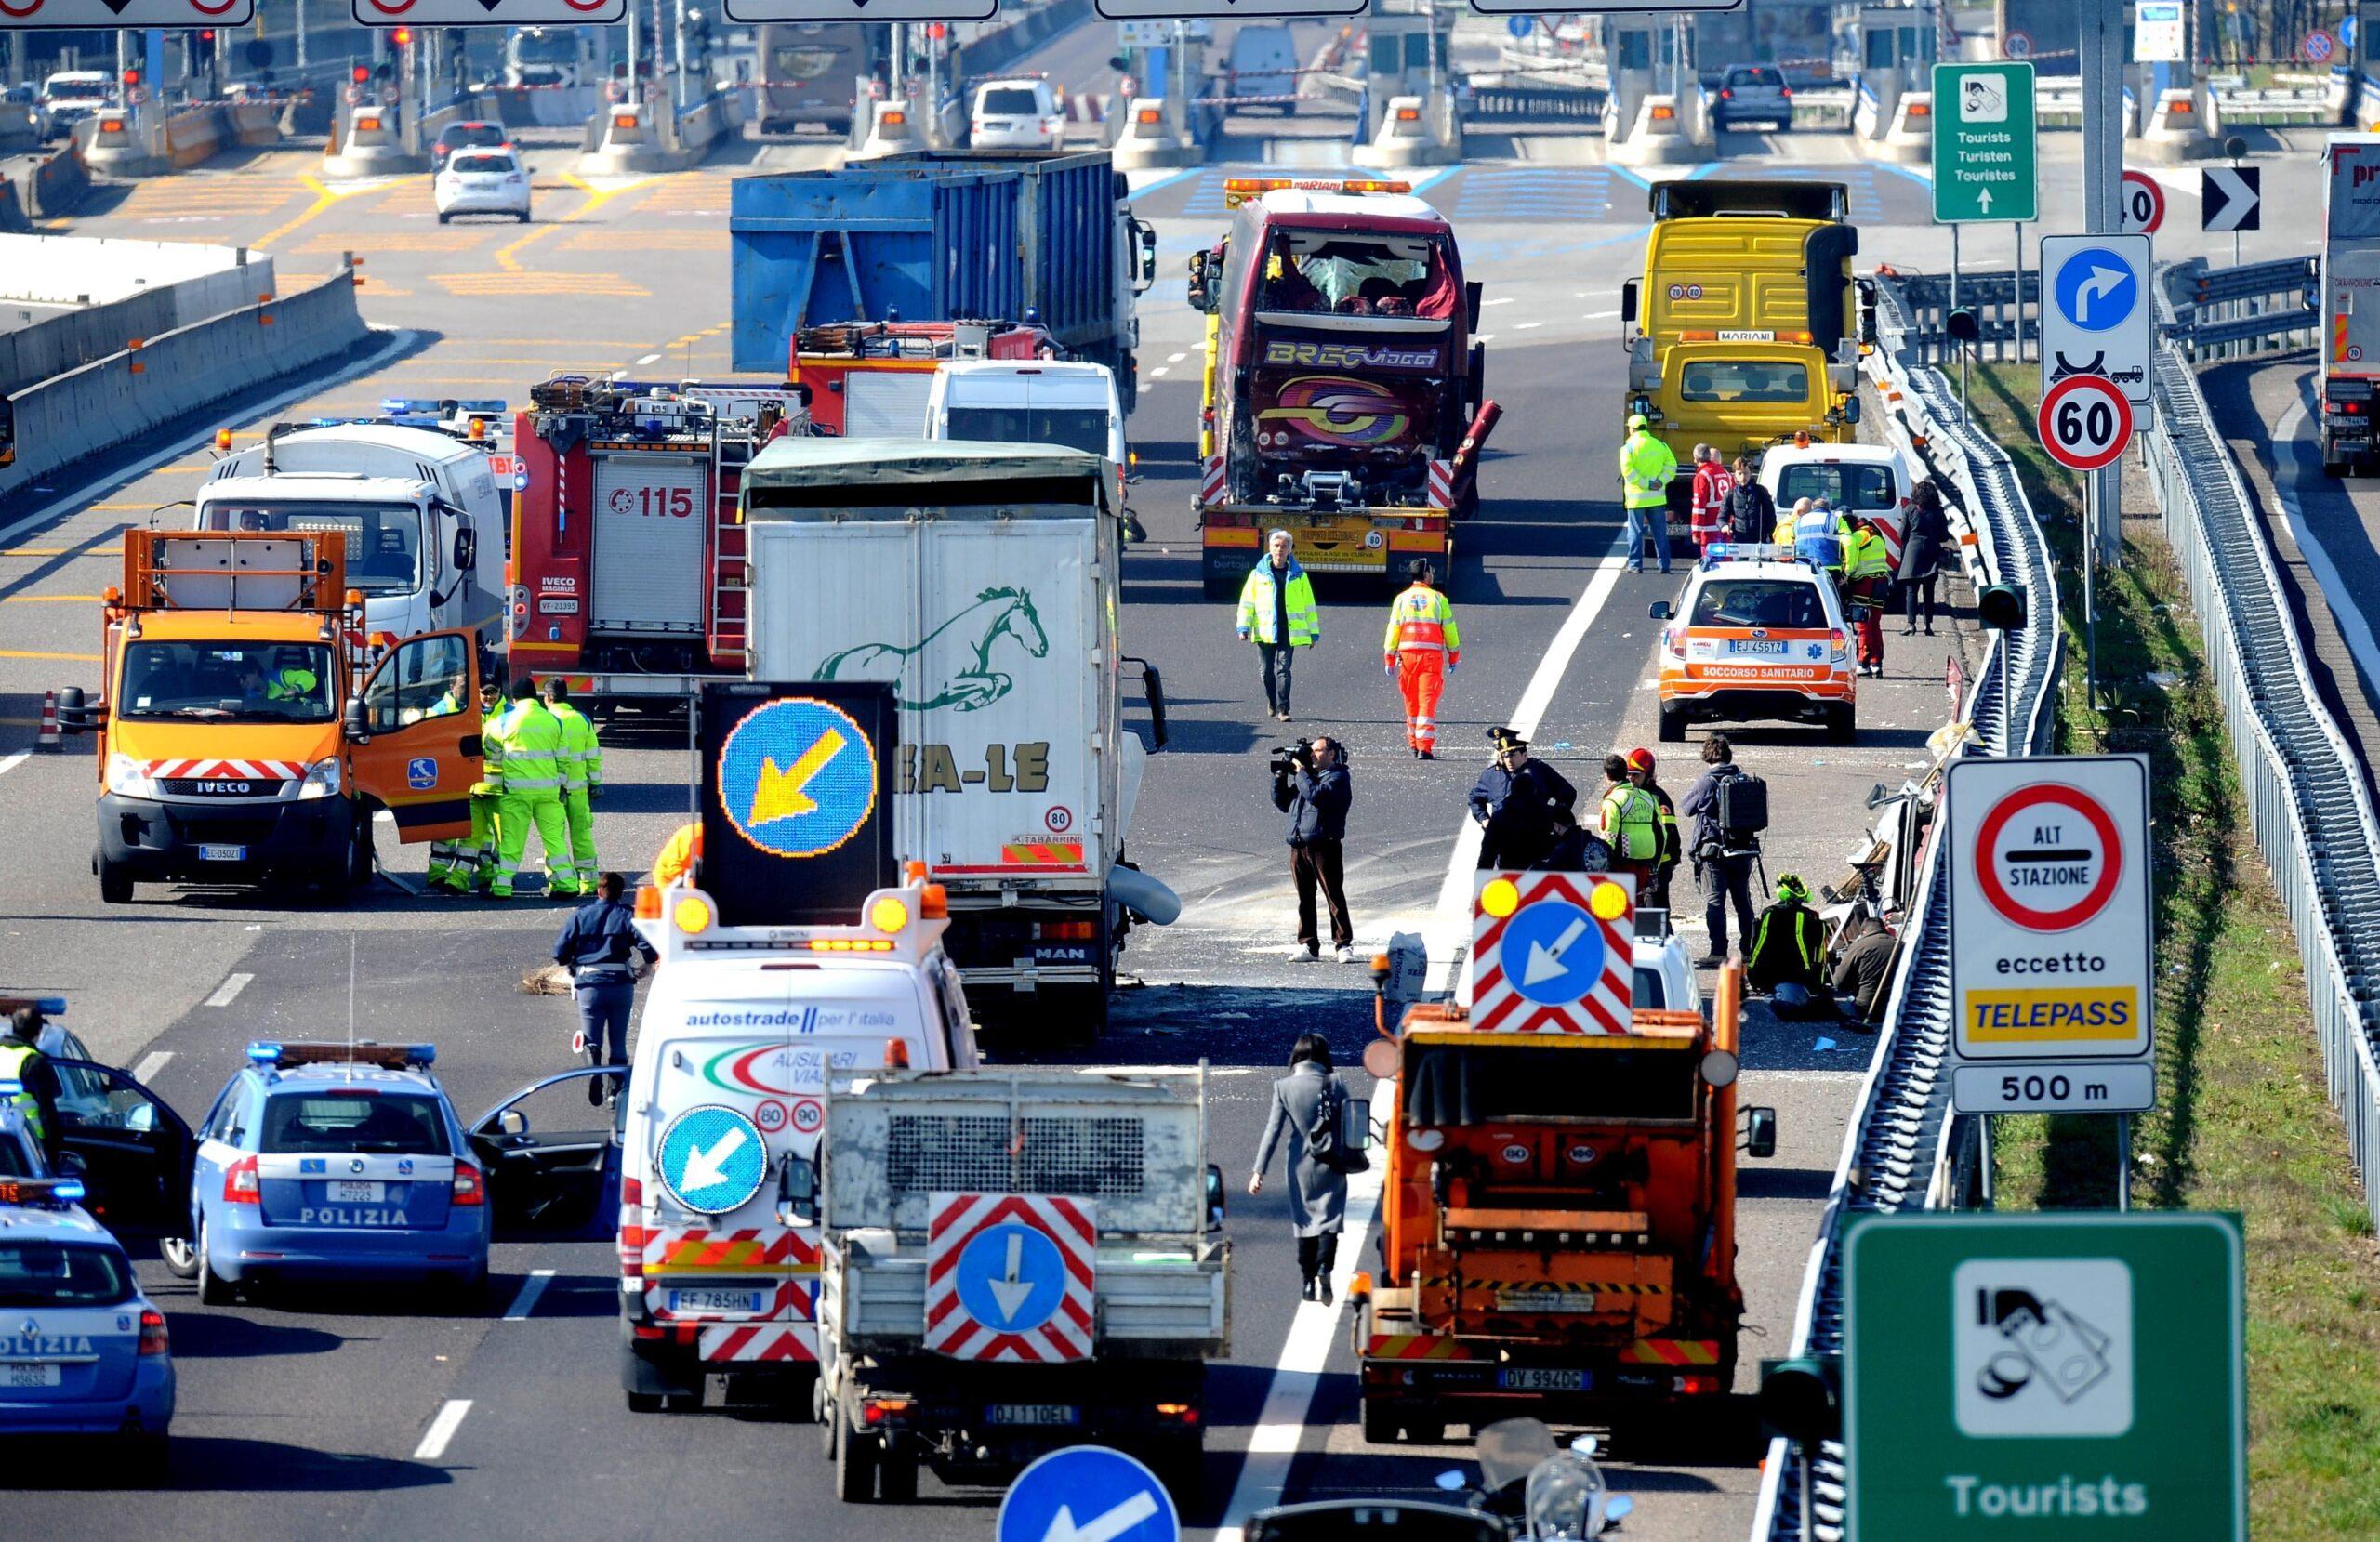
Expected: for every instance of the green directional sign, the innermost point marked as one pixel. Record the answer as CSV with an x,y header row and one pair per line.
x,y
1983,143
2048,1377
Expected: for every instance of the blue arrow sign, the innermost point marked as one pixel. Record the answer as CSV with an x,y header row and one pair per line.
x,y
2346,31
1552,952
796,777
1520,26
2097,289
1088,1494
1011,1277
712,1159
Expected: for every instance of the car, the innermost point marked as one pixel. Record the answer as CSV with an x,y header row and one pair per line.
x,y
1752,93
472,135
481,181
1016,114
25,100
82,1349
1758,634
1264,63
331,1161
70,96
1665,974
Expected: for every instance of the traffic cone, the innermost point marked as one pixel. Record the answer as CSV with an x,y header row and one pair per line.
x,y
48,738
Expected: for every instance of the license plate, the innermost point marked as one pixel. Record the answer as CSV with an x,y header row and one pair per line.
x,y
1033,1412
714,1300
347,1192
1525,1379
222,853
30,1375
558,607
1545,1300
1770,650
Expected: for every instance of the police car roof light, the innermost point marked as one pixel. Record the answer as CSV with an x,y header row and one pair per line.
x,y
49,1005
480,404
387,1057
46,1193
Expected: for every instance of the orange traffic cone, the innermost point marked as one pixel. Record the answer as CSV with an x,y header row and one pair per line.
x,y
48,738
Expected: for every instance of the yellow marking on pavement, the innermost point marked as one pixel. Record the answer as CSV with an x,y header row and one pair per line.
x,y
29,654
525,282
630,240
597,197
324,198
504,254
119,508
51,600
570,343
332,244
689,192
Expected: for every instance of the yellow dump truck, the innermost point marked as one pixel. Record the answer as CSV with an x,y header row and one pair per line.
x,y
1743,331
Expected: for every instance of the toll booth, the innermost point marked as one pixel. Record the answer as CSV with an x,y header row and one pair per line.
x,y
1895,50
1408,58
1641,52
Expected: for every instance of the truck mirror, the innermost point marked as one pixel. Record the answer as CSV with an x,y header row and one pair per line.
x,y
1119,61
1472,290
1760,1133
1214,1197
797,1190
351,721
467,550
1801,1398
1660,610
1628,304
1851,408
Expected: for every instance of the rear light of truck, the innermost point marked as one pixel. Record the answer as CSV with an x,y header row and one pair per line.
x,y
1726,93
1065,931
885,1410
1178,1413
1694,1384
2351,408
240,1184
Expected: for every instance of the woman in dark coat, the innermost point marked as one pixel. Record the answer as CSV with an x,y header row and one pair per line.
x,y
1317,1195
1921,543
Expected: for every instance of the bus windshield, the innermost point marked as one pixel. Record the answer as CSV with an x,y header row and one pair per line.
x,y
540,48
1355,273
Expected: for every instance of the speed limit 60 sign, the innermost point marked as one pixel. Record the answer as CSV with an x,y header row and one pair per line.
x,y
2085,422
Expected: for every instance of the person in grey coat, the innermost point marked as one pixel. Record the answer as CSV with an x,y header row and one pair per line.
x,y
1317,1195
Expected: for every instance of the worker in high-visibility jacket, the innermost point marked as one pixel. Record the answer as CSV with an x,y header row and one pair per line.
x,y
524,762
679,854
1868,584
469,867
1646,468
1630,823
1423,646
582,783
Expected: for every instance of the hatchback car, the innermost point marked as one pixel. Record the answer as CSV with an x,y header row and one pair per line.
x,y
481,181
467,135
1752,93
1758,634
336,1162
1017,114
83,1352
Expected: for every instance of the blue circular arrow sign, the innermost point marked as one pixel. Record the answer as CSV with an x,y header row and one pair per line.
x,y
796,777
712,1159
1011,1277
1085,1492
1552,951
2097,288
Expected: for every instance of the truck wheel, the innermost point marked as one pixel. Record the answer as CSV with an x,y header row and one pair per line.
x,y
1380,1424
855,1460
115,883
1427,1431
1841,723
1673,725
896,1474
360,858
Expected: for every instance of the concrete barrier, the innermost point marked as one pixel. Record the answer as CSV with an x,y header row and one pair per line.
x,y
1910,141
13,218
183,140
2177,129
370,140
191,284
1414,132
1152,134
628,137
120,141
1664,135
112,401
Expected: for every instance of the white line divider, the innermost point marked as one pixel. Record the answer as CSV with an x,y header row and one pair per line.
x,y
151,1063
442,1429
11,762
2355,628
229,991
526,1302
1273,1444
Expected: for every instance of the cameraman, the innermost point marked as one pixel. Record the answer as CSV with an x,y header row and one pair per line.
x,y
1310,784
1722,858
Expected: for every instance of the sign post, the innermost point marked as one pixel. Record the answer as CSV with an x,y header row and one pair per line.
x,y
2058,1377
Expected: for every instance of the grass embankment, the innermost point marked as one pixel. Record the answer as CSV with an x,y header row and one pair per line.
x,y
2242,1121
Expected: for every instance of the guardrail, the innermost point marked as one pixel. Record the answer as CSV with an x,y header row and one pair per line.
x,y
2224,313
1992,292
2306,802
1532,101
1904,1150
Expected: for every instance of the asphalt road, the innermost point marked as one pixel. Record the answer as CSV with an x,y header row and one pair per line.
x,y
306,1415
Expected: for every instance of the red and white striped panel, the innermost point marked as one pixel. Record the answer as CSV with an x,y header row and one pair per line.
x,y
745,1250
1498,1004
787,1342
235,771
1212,481
1441,484
1089,106
956,1220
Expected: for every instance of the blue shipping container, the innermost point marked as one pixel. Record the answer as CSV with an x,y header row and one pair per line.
x,y
930,237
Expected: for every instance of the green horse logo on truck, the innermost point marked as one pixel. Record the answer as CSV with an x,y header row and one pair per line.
x,y
997,613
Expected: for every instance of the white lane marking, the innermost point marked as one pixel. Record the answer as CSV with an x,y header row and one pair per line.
x,y
1500,299
526,1302
10,763
648,358
1524,326
442,1429
151,1063
230,990
1175,358
2355,628
1596,315
1273,1444
1449,930
1159,370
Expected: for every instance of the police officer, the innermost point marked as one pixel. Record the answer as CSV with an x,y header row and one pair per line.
x,y
21,1062
1646,467
1514,801
582,783
1422,646
524,763
599,946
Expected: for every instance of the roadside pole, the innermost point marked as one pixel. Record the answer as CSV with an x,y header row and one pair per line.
x,y
2102,50
678,44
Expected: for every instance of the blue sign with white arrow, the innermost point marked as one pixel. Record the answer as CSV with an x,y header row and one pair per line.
x,y
1011,1277
2097,289
712,1159
2095,312
1088,1494
1552,952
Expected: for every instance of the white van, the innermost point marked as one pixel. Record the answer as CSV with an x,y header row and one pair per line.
x,y
1865,482
1264,63
1045,402
741,1029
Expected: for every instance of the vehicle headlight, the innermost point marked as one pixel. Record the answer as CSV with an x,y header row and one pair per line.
x,y
129,778
321,779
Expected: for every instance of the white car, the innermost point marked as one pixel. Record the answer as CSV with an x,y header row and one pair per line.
x,y
1043,402
1017,114
70,96
1866,481
1664,976
481,181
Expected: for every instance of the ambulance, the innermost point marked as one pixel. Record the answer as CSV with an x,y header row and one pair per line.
x,y
743,1027
1759,634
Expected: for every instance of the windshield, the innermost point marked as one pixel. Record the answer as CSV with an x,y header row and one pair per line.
x,y
1356,274
465,136
62,1274
273,682
1769,78
14,1163
369,1123
1458,1085
1076,428
1741,380
1842,486
383,540
489,164
545,49
1784,603
1008,99
1650,990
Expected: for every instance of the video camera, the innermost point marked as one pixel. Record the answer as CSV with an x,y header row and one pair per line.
x,y
1287,758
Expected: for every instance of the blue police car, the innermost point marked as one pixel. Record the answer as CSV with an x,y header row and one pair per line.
x,y
336,1162
83,1352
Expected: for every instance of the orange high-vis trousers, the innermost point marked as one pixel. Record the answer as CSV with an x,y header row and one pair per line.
x,y
1422,675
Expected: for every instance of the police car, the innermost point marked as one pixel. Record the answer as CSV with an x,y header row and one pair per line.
x,y
335,1161
1758,634
83,1352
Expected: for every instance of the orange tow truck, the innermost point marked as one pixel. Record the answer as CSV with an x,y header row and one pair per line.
x,y
1559,1211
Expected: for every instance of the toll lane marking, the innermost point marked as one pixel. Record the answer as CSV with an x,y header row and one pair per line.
x,y
10,763
230,990
442,1429
51,600
526,1302
324,198
151,1063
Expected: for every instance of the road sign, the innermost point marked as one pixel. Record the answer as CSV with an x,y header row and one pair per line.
x,y
712,1158
2050,931
2346,29
2085,422
2055,1087
2230,198
2016,44
2317,46
2143,204
2076,1377
1520,26
1011,1277
486,13
1983,143
1088,1494
797,777
1553,952
2095,312
113,15
2156,32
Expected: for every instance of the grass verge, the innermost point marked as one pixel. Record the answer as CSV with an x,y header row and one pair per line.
x,y
2242,1121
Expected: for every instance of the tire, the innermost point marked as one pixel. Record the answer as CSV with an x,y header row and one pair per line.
x,y
1673,725
645,1403
115,883
896,1475
213,1289
444,218
857,1456
180,1257
1380,1424
359,858
1842,724
830,1425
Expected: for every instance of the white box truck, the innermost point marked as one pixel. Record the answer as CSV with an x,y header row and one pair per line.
x,y
2351,346
982,579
